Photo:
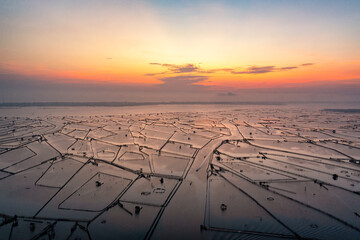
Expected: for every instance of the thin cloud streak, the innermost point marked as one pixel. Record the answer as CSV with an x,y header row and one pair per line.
x,y
173,68
255,70
307,64
193,68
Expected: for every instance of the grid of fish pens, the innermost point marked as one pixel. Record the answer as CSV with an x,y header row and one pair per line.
x,y
270,173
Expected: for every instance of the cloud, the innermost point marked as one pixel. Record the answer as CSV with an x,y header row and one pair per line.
x,y
227,94
255,70
186,80
263,69
286,68
15,88
193,68
182,84
174,68
183,69
307,64
150,74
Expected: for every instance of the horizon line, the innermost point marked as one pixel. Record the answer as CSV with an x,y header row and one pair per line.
x,y
119,104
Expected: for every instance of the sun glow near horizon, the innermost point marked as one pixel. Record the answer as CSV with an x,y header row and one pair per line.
x,y
227,44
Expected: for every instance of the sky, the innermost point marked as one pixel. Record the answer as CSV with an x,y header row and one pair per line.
x,y
179,50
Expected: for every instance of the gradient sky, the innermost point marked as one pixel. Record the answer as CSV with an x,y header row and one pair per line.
x,y
179,50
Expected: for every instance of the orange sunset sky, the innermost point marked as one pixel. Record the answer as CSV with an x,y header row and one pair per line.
x,y
179,50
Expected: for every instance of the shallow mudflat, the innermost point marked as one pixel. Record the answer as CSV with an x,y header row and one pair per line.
x,y
247,173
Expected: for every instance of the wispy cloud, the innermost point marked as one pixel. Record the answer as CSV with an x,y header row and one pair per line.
x,y
174,68
286,68
255,70
307,64
262,69
193,68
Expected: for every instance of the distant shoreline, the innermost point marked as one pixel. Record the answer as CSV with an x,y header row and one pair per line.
x,y
349,110
123,104
127,104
